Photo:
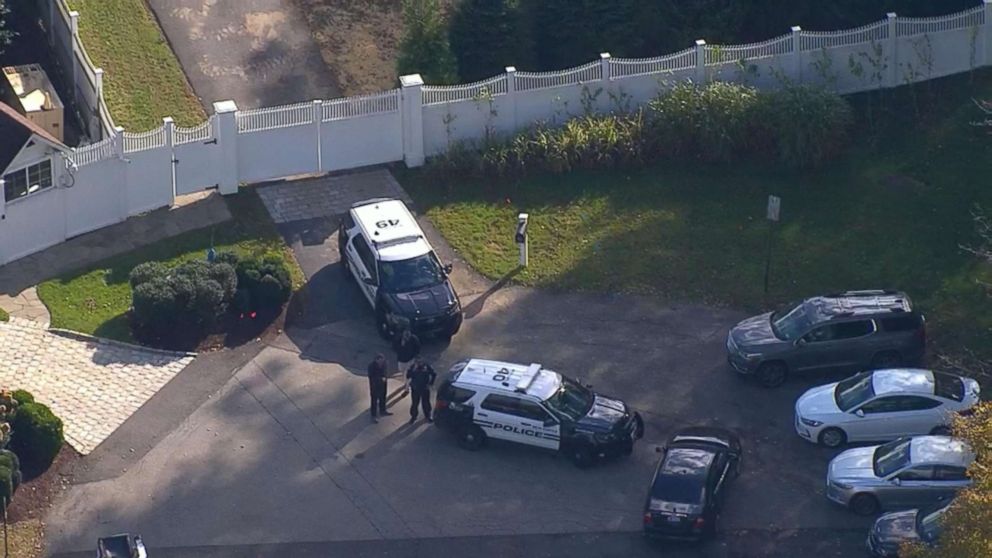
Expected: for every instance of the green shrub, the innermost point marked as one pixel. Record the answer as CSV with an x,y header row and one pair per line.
x,y
23,396
806,125
487,36
36,436
194,293
4,316
10,462
424,48
6,484
148,271
265,281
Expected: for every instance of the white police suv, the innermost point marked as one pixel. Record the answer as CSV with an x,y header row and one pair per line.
x,y
384,249
531,405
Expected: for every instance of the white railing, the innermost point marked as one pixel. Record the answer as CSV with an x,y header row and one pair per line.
x,y
922,25
718,54
527,81
257,120
362,105
93,152
814,40
144,140
436,94
630,67
203,132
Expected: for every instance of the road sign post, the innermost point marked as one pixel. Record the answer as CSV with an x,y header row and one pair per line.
x,y
772,214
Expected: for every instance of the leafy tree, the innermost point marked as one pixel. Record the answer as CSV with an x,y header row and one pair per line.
x,y
6,35
486,36
424,48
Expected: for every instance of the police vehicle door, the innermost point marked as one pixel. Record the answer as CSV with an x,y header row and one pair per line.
x,y
505,418
363,266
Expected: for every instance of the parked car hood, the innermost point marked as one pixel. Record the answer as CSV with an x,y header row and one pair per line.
x,y
756,330
818,401
604,415
853,464
431,301
896,527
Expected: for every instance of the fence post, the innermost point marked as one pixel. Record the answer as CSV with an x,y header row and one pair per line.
x,y
318,116
893,77
604,65
413,119
987,34
74,28
119,142
511,95
169,129
700,61
98,85
797,54
226,130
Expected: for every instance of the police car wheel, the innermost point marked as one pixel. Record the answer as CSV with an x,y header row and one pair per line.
x,y
472,438
581,457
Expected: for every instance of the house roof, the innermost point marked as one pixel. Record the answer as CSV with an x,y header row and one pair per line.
x,y
15,130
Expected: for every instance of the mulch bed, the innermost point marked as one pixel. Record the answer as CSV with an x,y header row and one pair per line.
x,y
232,330
35,496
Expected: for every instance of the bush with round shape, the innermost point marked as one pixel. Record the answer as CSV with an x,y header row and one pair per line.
x,y
23,396
148,271
266,280
37,436
6,484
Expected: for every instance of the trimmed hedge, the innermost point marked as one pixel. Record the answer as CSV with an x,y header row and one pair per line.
x,y
797,126
194,293
22,396
264,284
36,436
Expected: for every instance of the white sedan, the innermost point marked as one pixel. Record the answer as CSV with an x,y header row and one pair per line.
x,y
883,405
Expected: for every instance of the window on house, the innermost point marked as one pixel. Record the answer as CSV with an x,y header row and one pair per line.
x,y
27,180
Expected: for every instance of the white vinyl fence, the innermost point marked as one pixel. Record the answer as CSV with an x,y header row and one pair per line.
x,y
130,173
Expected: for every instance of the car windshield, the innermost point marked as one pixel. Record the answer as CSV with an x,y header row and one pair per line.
x,y
404,276
891,457
854,391
791,323
928,522
572,400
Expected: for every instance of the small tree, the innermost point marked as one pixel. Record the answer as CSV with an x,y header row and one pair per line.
x,y
6,35
486,37
424,48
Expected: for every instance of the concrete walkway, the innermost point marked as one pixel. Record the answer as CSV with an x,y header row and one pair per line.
x,y
26,305
93,385
257,52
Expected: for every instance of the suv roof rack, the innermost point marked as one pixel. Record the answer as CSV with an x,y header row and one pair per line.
x,y
397,240
855,303
864,292
370,201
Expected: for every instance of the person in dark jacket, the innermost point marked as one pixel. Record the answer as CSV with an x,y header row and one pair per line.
x,y
420,377
377,371
406,345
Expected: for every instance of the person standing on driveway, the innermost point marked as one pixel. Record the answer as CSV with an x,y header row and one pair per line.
x,y
377,386
407,347
420,377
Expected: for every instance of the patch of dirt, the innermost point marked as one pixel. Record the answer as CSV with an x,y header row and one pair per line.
x,y
232,330
25,515
358,40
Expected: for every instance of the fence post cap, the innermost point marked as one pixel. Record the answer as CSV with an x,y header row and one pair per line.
x,y
890,15
604,55
221,107
796,28
700,42
411,80
167,120
118,129
513,69
73,13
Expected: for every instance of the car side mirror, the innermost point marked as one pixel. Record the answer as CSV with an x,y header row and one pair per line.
x,y
801,342
897,481
550,422
368,281
588,386
659,449
860,413
448,267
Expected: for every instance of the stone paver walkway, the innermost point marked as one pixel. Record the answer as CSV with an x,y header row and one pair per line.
x,y
93,385
27,305
327,196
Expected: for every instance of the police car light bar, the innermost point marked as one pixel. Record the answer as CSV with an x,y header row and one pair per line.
x,y
528,378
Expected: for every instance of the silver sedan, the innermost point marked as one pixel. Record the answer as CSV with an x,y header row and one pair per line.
x,y
905,473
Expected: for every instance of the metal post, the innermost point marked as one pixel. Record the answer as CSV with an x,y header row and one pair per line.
x,y
768,257
522,239
6,552
772,215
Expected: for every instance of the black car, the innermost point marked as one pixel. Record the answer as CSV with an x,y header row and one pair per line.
x,y
124,545
690,484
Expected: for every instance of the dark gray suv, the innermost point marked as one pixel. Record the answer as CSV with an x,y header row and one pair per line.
x,y
849,331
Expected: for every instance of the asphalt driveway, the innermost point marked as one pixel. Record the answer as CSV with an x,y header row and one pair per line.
x,y
285,453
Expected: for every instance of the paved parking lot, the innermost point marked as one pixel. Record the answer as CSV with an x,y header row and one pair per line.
x,y
285,453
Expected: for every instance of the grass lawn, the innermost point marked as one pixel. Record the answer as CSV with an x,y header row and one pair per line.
x,y
95,300
892,213
142,79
